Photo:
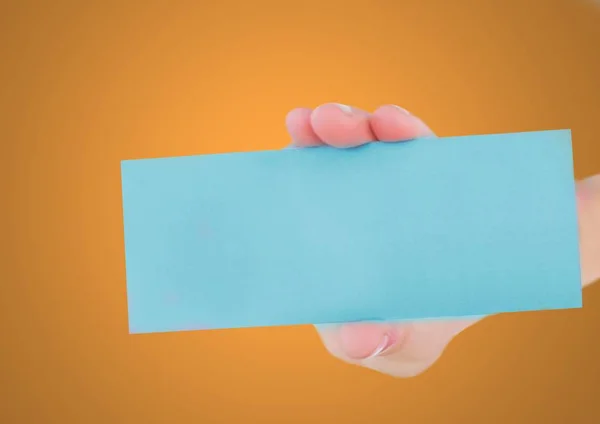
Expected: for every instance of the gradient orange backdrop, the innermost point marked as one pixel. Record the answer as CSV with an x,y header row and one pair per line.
x,y
87,84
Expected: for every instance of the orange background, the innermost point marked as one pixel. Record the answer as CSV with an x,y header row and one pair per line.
x,y
86,84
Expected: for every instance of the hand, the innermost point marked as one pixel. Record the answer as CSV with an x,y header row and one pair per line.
x,y
405,350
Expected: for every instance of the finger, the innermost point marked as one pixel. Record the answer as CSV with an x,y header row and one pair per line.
x,y
393,123
300,128
399,350
588,202
407,349
341,126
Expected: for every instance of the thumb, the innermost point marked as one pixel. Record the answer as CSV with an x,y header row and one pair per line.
x,y
407,349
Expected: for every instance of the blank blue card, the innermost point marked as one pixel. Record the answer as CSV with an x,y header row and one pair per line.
x,y
448,227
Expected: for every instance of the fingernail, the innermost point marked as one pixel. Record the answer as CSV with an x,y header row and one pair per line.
x,y
401,109
388,340
344,108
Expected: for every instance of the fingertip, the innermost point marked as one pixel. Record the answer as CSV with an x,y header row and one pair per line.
x,y
299,127
366,341
293,115
393,123
341,126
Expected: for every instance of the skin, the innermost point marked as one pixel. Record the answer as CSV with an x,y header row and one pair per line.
x,y
406,350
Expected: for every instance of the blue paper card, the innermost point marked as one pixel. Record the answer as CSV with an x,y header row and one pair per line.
x,y
448,227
